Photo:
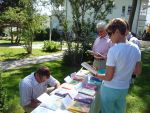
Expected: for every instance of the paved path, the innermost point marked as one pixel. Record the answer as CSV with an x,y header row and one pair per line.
x,y
6,65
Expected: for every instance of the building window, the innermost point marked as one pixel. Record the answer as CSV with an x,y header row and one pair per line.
x,y
129,10
123,10
109,10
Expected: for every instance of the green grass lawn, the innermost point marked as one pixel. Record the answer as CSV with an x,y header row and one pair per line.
x,y
12,77
138,100
19,53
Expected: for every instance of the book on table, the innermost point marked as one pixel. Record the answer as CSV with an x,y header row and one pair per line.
x,y
62,92
67,86
94,81
78,78
90,86
87,91
74,82
84,98
52,102
79,107
82,72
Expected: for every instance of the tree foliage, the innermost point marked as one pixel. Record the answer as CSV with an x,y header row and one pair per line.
x,y
25,19
3,95
85,15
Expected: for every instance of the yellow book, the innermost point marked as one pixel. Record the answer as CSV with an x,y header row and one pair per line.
x,y
79,107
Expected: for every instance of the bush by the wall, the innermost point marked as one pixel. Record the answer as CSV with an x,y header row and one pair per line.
x,y
51,46
44,35
75,58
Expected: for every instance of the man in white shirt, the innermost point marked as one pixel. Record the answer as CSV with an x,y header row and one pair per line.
x,y
101,45
33,85
123,59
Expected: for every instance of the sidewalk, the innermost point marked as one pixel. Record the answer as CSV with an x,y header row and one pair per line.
x,y
6,65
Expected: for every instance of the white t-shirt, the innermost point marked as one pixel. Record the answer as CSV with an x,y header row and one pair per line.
x,y
31,89
123,57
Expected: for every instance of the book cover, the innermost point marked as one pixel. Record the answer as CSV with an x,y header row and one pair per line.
x,y
84,98
94,81
74,82
62,92
78,78
101,71
67,86
79,107
82,72
88,67
90,86
87,91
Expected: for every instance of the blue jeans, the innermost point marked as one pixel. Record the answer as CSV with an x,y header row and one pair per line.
x,y
113,100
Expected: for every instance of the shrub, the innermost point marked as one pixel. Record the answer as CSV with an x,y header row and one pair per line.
x,y
3,95
75,58
44,35
51,46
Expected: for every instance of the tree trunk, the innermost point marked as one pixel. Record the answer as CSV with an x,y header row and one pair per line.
x,y
11,35
131,17
18,36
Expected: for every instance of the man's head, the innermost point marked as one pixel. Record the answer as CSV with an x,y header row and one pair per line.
x,y
42,74
116,29
101,26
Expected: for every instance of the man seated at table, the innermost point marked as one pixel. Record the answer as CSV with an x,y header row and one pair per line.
x,y
33,85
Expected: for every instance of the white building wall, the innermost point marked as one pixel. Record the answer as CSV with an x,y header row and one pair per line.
x,y
139,20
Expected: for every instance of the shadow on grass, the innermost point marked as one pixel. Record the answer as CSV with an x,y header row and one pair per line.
x,y
8,44
11,57
12,77
142,83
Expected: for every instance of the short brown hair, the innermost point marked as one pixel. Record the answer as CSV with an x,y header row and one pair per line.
x,y
127,24
115,24
43,71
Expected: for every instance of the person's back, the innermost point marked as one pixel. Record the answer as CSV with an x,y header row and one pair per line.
x,y
121,53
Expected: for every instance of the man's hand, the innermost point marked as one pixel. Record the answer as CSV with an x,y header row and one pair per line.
x,y
34,103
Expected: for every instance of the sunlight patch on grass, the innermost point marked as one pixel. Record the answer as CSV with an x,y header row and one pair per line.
x,y
135,104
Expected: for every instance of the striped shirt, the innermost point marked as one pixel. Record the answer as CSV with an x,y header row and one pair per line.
x,y
31,89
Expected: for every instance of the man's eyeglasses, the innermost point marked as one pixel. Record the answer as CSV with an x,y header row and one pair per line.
x,y
109,33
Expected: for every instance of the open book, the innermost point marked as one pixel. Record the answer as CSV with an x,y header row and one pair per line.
x,y
88,67
95,53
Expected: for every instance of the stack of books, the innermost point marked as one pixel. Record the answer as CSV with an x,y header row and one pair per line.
x,y
79,107
62,92
94,81
90,86
67,86
78,78
87,91
74,82
84,98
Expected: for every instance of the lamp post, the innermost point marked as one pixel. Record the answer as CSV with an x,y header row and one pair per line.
x,y
50,29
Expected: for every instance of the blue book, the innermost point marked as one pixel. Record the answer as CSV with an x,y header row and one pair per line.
x,y
101,71
95,81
